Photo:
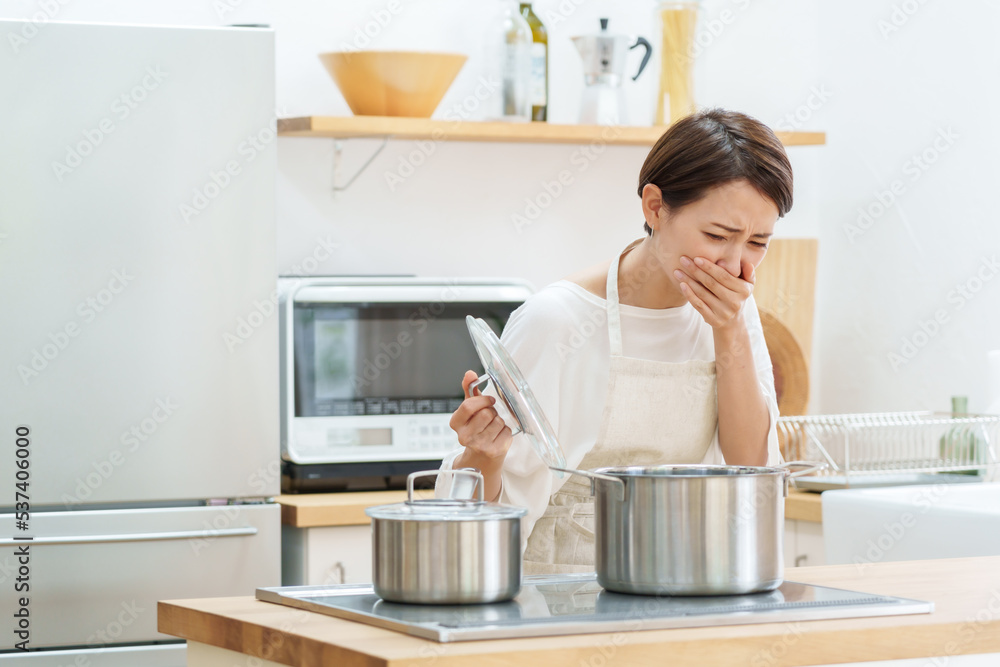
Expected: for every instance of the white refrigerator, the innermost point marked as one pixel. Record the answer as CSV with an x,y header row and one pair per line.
x,y
138,337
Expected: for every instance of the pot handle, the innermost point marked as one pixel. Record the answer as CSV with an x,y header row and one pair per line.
x,y
506,413
472,472
594,476
810,467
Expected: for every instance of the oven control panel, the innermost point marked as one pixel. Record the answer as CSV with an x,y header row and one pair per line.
x,y
370,438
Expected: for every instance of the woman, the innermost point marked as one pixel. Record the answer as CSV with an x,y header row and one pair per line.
x,y
656,356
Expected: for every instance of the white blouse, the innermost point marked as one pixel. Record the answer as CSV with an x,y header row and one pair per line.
x,y
559,340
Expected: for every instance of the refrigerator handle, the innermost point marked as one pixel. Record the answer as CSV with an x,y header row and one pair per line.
x,y
129,537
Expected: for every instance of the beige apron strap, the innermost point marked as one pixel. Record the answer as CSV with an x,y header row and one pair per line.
x,y
614,311
613,307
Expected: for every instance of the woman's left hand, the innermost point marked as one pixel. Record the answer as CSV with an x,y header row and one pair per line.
x,y
714,292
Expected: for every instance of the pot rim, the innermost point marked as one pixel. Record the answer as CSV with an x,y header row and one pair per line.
x,y
691,471
441,509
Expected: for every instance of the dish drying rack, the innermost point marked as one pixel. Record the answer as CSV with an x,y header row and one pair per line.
x,y
888,448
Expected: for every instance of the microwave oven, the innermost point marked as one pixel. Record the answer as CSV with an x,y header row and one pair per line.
x,y
371,371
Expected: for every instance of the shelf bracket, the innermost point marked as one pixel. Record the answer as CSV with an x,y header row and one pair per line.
x,y
338,150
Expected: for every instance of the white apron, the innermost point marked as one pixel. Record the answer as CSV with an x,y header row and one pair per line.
x,y
656,412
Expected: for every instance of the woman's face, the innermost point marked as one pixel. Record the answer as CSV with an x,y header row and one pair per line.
x,y
730,226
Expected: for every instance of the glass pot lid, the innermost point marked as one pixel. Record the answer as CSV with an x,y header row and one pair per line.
x,y
515,394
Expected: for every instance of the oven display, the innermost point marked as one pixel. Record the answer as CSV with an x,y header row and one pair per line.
x,y
383,359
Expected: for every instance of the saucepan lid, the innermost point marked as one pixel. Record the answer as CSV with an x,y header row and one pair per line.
x,y
515,394
445,509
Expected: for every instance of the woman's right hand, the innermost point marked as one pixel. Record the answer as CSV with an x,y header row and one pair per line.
x,y
480,429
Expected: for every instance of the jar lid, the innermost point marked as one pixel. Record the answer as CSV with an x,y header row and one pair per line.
x,y
445,509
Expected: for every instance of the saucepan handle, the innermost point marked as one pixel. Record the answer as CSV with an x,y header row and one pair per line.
x,y
810,468
480,481
593,477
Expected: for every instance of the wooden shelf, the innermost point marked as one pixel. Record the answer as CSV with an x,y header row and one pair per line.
x,y
348,127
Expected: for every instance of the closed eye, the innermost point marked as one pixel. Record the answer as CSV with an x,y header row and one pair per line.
x,y
716,237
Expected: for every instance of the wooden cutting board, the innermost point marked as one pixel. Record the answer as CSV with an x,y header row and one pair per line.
x,y
786,286
791,373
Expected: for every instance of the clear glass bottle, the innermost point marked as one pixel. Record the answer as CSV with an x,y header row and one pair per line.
x,y
678,23
960,446
509,61
538,88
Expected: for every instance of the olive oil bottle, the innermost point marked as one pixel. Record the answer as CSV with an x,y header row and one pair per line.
x,y
539,87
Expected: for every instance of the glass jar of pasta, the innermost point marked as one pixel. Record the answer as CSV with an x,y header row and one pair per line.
x,y
678,22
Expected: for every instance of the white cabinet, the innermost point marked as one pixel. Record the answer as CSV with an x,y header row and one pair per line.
x,y
326,537
803,543
326,555
912,522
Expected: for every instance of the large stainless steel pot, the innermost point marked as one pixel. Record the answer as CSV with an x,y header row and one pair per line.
x,y
446,551
690,529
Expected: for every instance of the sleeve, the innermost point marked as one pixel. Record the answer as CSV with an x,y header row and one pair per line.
x,y
444,484
765,377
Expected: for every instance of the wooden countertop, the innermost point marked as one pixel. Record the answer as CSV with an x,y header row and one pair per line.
x,y
311,510
804,506
966,620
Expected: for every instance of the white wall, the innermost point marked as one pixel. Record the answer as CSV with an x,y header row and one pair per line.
x,y
898,93
453,215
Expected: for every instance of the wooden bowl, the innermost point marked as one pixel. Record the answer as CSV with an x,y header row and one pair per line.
x,y
393,83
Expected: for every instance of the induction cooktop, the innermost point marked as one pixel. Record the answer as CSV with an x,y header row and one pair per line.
x,y
576,604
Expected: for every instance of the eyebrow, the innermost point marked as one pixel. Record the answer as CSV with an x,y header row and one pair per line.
x,y
737,231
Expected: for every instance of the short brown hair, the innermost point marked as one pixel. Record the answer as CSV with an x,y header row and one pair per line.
x,y
714,147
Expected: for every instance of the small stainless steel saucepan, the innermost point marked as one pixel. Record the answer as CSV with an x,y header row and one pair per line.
x,y
446,550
